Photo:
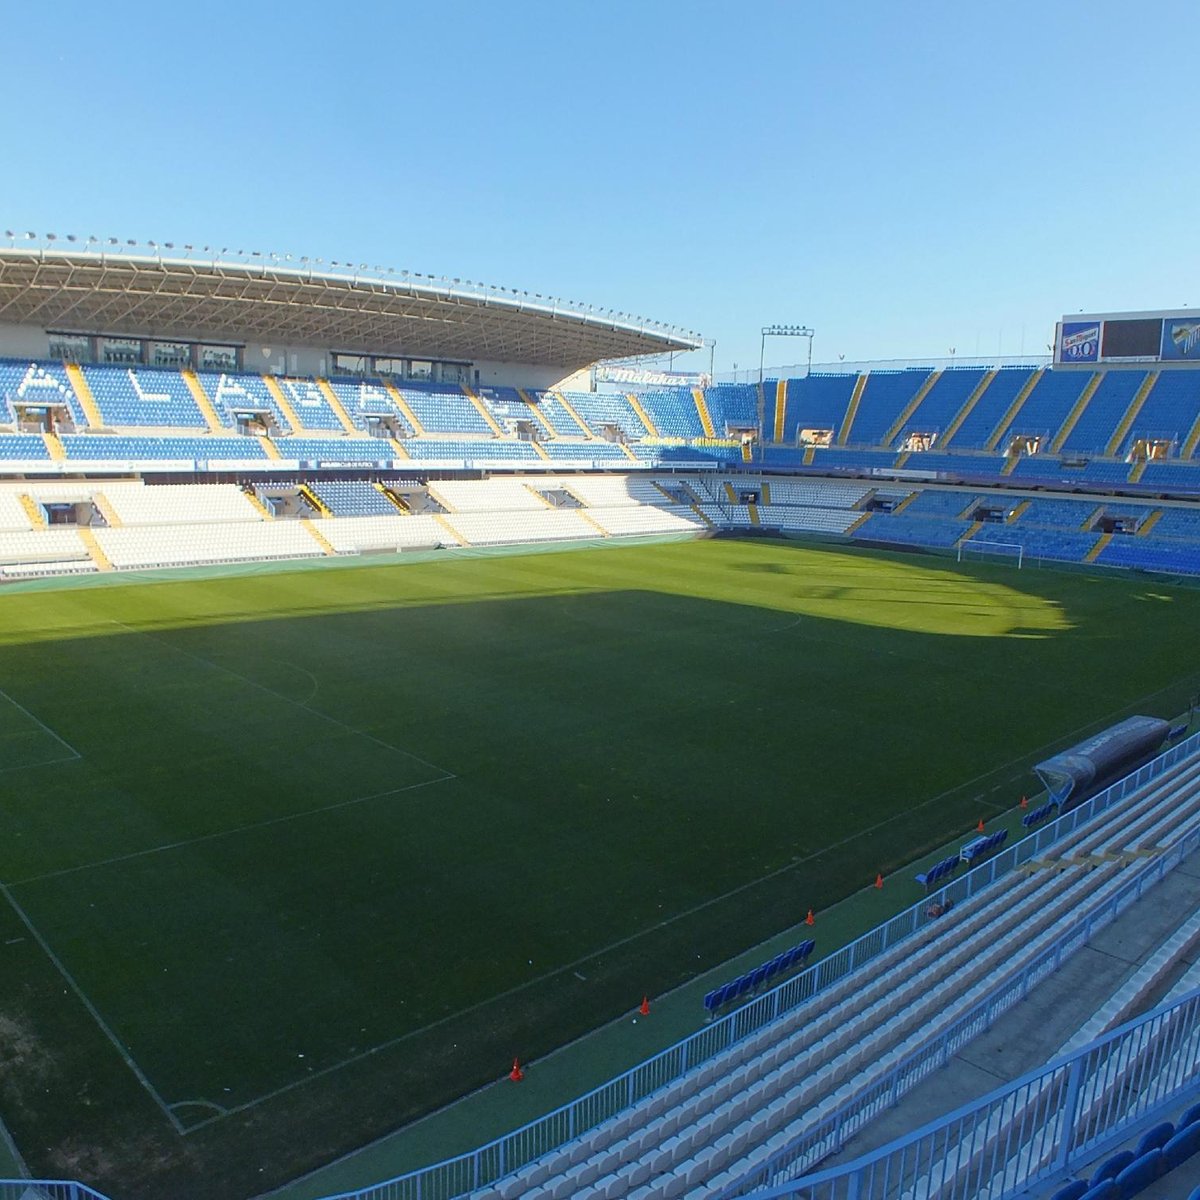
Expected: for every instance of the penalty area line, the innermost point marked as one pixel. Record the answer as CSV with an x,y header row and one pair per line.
x,y
222,833
303,705
92,1010
62,741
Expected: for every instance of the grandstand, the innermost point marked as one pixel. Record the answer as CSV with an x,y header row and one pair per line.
x,y
179,412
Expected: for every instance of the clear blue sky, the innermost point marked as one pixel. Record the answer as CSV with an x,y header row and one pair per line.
x,y
903,177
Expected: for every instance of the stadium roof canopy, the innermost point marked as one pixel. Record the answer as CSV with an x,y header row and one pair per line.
x,y
271,300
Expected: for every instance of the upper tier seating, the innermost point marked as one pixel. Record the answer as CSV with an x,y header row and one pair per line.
x,y
963,466
443,408
981,422
22,447
1170,412
242,394
942,403
599,450
496,450
814,402
883,400
673,411
143,396
329,450
555,413
309,404
84,447
734,405
608,408
364,398
1046,407
1099,420
34,383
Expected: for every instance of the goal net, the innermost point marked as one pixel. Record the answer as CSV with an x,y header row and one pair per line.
x,y
976,549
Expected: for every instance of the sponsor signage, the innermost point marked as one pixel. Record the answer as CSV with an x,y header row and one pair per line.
x,y
1080,341
1181,339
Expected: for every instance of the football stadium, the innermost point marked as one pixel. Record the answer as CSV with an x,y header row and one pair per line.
x,y
450,753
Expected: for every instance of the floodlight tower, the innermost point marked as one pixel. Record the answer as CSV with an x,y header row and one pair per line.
x,y
782,331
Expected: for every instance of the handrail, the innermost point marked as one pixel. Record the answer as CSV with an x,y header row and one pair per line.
x,y
836,1128
478,1168
46,1189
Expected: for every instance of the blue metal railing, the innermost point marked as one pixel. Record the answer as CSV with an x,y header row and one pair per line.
x,y
478,1168
46,1189
838,1126
1039,1127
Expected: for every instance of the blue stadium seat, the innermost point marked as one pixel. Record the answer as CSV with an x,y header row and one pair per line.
x,y
1190,1116
1140,1173
1112,1166
1181,1147
1154,1139
1104,1190
1071,1191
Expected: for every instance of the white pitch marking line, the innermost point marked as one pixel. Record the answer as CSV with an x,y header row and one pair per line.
x,y
92,1009
286,699
42,725
220,833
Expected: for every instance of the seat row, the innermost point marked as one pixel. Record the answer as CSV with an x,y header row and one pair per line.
x,y
1129,1172
751,981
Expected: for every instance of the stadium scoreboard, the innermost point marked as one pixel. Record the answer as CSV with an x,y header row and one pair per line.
x,y
1128,337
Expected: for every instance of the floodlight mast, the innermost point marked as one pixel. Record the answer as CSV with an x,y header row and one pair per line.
x,y
782,331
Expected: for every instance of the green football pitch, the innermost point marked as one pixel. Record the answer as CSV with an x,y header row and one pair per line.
x,y
291,858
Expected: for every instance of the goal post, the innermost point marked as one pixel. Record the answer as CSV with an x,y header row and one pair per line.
x,y
975,549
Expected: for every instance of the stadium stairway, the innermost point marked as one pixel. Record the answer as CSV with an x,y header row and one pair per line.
x,y
88,538
339,409
860,385
702,412
1015,407
1113,448
83,393
964,412
643,416
706,1133
203,403
405,408
1072,419
54,446
285,405
780,409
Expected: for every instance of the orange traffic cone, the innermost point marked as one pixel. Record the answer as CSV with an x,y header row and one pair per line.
x,y
1024,802
810,919
516,1074
979,827
879,880
644,1007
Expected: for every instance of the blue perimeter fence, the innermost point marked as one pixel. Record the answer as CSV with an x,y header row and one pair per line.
x,y
467,1172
